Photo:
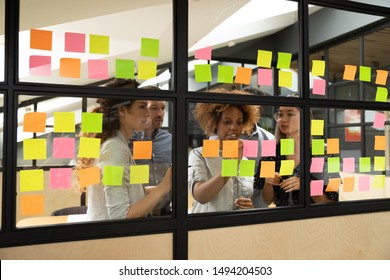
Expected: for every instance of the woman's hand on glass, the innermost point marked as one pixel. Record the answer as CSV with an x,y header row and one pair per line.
x,y
275,181
243,203
291,184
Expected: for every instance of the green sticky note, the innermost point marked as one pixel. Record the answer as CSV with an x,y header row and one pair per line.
x,y
64,122
124,68
92,122
286,167
202,73
150,47
147,69
333,164
379,181
31,180
318,68
317,147
225,74
317,127
99,44
284,60
89,147
139,174
379,163
364,164
287,146
264,58
34,149
247,168
285,79
365,73
113,175
229,167
381,94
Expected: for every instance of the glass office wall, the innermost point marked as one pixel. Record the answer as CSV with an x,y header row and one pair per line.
x,y
2,16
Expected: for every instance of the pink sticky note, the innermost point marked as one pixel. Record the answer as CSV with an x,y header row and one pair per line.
x,y
204,53
319,86
268,148
40,65
317,165
316,187
60,178
97,69
364,183
63,148
379,121
251,148
74,42
349,164
264,77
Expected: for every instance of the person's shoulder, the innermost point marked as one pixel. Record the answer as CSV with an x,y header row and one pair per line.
x,y
264,134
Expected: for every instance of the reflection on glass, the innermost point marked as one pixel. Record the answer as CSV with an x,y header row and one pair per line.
x,y
248,43
78,164
91,47
358,162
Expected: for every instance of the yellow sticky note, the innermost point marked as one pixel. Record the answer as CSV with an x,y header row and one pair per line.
x,y
349,72
333,185
230,149
285,79
286,167
348,184
379,182
379,163
89,147
31,205
264,58
139,174
142,149
31,180
317,127
89,176
99,44
210,148
147,69
318,68
333,146
64,122
34,149
380,143
267,169
34,122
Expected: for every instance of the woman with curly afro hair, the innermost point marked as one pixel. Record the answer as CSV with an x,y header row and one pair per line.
x,y
210,189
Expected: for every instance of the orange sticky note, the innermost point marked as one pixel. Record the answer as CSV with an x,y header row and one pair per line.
x,y
267,169
333,185
243,75
349,72
349,184
70,67
230,149
381,77
41,39
32,205
333,146
34,122
210,148
89,176
142,149
380,143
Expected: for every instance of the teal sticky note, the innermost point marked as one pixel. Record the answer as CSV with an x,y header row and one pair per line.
x,y
333,164
264,58
365,73
379,163
225,74
113,175
286,146
229,167
124,68
381,94
364,164
247,168
202,73
317,147
284,60
379,181
99,44
92,122
150,47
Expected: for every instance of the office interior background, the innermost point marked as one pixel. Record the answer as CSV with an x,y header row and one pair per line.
x,y
56,57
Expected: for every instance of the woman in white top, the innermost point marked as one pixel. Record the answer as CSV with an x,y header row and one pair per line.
x,y
120,119
210,190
